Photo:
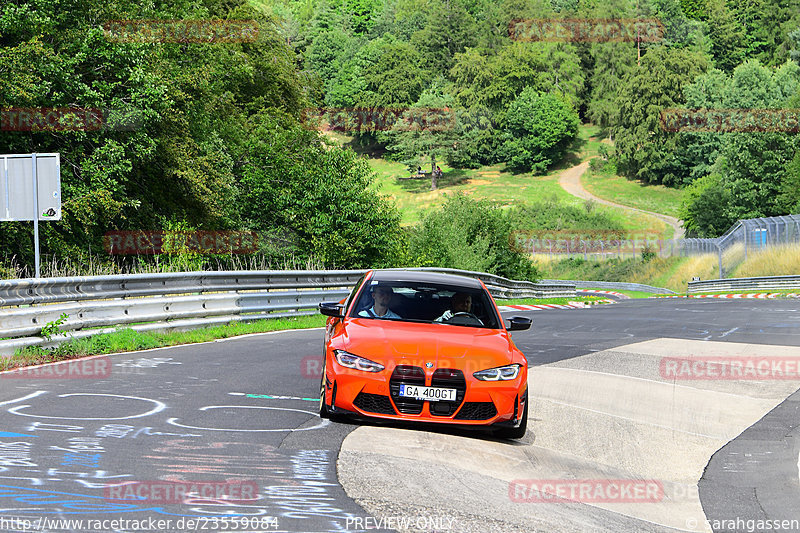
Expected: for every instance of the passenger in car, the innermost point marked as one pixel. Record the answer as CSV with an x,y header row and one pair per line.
x,y
381,295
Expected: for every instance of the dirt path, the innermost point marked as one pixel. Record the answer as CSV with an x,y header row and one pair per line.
x,y
570,181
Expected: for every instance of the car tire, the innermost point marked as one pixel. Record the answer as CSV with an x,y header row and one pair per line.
x,y
323,407
517,432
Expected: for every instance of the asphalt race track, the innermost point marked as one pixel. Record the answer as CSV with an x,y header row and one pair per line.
x,y
238,417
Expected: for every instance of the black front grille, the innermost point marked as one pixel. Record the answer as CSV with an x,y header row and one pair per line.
x,y
448,378
477,411
406,375
374,403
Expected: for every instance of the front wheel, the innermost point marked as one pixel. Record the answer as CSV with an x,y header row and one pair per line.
x,y
517,432
323,407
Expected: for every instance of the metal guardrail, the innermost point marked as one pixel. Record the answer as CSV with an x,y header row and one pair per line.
x,y
612,286
745,284
187,300
501,287
52,290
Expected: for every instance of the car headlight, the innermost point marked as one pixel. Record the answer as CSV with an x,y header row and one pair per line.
x,y
501,373
355,362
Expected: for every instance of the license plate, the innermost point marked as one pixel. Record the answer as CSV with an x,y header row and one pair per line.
x,y
434,394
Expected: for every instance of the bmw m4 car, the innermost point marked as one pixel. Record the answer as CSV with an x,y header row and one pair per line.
x,y
415,346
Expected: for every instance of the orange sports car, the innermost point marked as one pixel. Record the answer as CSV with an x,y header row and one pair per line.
x,y
424,347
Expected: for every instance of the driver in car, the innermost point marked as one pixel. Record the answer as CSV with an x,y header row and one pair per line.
x,y
462,304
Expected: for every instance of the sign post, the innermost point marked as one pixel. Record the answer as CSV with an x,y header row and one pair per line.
x,y
30,189
35,179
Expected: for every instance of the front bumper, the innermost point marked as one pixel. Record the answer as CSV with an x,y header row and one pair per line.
x,y
376,395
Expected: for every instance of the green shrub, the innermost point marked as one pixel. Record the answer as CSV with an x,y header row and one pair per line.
x,y
469,235
540,129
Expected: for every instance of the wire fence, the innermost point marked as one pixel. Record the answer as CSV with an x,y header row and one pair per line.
x,y
747,236
743,238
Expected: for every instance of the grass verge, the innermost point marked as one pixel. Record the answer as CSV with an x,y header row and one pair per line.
x,y
542,301
631,294
128,340
781,260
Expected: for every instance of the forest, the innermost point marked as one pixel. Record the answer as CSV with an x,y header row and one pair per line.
x,y
216,134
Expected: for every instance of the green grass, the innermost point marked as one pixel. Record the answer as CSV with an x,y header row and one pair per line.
x,y
542,301
632,294
493,183
588,141
655,198
128,340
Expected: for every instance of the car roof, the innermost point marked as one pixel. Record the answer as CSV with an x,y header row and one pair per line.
x,y
423,276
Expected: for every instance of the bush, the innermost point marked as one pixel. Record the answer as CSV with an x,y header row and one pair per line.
x,y
705,207
540,129
554,215
648,253
469,235
322,197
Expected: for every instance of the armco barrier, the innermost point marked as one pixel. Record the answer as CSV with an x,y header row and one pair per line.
x,y
612,285
745,284
186,300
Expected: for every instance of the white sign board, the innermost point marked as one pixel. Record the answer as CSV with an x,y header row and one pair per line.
x,y
17,184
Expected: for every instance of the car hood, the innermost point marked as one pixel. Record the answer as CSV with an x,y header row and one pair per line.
x,y
394,343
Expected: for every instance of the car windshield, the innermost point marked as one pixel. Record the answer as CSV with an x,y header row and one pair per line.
x,y
426,302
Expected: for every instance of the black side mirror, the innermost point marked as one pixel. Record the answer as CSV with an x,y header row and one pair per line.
x,y
333,309
519,323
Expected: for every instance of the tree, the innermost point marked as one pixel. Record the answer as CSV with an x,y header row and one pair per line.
x,y
176,154
681,31
613,62
325,53
322,196
794,38
449,29
495,81
470,235
790,187
540,127
727,36
767,25
426,130
704,209
396,78
348,84
644,150
471,73
696,152
755,172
